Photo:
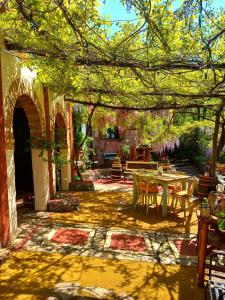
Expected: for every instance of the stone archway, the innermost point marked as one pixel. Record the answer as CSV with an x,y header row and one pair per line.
x,y
21,96
21,88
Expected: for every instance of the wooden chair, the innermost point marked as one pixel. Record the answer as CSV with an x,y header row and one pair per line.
x,y
213,245
184,197
216,283
147,191
178,185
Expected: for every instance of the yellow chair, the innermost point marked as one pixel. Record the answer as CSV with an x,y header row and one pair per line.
x,y
175,187
147,191
184,197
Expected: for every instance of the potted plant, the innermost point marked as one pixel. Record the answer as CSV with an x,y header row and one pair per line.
x,y
216,214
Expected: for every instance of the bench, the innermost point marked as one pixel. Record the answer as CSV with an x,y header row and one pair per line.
x,y
109,156
137,165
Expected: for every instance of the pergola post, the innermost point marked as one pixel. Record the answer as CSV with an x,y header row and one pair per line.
x,y
202,248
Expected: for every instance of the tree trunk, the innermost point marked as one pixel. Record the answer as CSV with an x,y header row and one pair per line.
x,y
215,143
58,179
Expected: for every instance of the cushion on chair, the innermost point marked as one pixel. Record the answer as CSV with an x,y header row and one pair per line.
x,y
151,188
216,289
174,187
180,193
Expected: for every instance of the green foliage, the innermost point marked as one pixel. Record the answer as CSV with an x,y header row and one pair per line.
x,y
205,201
167,59
125,150
76,178
222,158
221,220
78,122
195,145
221,224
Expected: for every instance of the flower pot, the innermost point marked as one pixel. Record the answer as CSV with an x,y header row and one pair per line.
x,y
86,185
64,204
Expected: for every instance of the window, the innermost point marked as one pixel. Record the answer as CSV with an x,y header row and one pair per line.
x,y
113,133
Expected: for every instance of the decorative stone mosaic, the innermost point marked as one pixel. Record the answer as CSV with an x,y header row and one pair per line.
x,y
70,236
127,242
71,290
103,242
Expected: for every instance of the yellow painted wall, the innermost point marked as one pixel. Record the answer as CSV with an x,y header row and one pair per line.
x,y
14,69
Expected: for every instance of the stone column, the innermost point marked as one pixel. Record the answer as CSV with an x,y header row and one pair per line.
x,y
66,169
41,180
11,192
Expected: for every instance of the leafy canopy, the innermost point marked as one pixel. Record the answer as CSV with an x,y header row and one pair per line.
x,y
167,59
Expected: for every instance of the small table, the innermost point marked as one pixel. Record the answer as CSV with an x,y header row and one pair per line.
x,y
164,180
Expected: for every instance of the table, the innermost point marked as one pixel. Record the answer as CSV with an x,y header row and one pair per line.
x,y
164,180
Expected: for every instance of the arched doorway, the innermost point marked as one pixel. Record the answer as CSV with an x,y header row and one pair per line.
x,y
31,170
22,157
23,107
27,134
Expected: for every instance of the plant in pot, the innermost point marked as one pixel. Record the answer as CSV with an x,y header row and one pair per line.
x,y
216,207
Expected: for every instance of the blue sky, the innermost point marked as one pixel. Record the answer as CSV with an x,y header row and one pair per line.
x,y
117,11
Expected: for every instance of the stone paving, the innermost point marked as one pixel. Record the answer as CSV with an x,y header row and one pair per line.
x,y
103,242
108,185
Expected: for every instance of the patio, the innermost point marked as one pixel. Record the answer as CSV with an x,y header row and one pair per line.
x,y
112,156
105,244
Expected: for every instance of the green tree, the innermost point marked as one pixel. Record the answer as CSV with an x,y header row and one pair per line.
x,y
167,60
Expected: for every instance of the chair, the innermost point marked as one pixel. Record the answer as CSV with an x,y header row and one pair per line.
x,y
147,191
216,283
184,196
178,185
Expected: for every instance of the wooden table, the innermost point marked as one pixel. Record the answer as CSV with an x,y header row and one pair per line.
x,y
164,180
